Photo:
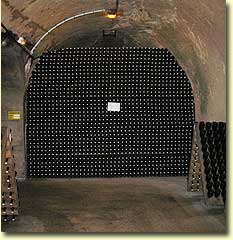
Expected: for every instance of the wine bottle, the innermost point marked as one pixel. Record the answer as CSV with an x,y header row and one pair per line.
x,y
210,193
13,218
8,178
7,170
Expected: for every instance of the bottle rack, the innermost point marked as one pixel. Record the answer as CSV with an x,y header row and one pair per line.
x,y
71,133
9,184
195,174
212,139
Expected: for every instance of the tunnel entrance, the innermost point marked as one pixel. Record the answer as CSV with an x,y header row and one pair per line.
x,y
108,112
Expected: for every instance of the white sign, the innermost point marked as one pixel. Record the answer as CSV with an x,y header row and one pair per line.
x,y
114,106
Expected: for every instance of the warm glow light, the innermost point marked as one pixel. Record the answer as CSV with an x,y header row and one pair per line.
x,y
21,41
111,15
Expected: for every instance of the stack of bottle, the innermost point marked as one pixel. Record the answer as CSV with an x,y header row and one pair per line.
x,y
213,142
9,186
72,133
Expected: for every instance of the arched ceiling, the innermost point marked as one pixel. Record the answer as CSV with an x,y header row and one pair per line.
x,y
194,31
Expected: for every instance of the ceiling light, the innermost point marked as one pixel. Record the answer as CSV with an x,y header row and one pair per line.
x,y
111,14
22,41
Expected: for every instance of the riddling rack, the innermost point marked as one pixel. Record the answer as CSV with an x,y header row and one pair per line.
x,y
195,170
10,202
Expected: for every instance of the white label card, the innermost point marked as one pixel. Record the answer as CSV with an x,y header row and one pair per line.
x,y
114,106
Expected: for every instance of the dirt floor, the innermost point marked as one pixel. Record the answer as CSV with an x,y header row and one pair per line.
x,y
113,205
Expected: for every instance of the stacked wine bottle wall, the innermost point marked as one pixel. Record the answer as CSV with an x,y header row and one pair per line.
x,y
9,184
72,133
213,148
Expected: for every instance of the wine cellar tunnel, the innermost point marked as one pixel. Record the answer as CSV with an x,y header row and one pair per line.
x,y
118,107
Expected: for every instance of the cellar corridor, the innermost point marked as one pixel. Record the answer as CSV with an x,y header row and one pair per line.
x,y
114,116
108,204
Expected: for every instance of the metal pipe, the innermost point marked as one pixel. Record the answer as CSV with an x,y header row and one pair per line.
x,y
62,22
117,4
